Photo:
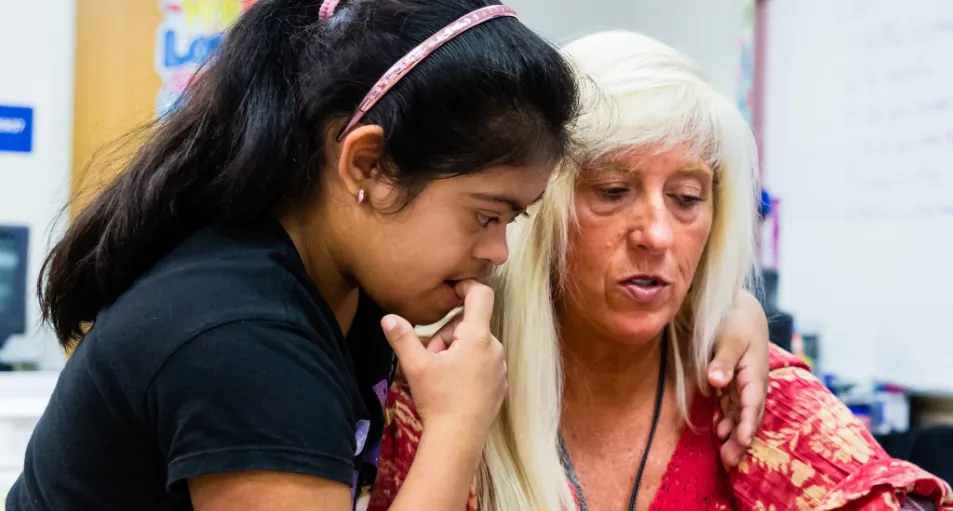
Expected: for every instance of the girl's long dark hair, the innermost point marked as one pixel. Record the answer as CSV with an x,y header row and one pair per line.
x,y
248,138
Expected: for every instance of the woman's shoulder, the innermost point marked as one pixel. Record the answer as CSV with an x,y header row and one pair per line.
x,y
811,452
779,359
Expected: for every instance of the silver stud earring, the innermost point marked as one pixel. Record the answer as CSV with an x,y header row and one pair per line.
x,y
360,195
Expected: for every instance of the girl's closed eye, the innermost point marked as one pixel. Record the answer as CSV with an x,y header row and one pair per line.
x,y
486,220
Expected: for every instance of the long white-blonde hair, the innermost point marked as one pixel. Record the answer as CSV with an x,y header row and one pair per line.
x,y
636,93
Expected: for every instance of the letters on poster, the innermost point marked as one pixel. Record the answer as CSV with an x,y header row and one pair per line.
x,y
189,32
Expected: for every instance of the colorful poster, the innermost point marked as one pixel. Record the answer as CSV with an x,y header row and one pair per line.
x,y
190,30
746,69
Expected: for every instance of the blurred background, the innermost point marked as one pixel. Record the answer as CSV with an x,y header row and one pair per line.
x,y
851,102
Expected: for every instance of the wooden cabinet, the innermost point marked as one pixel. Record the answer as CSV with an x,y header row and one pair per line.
x,y
116,84
128,54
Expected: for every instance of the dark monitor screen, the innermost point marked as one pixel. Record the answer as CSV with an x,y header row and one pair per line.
x,y
770,281
13,271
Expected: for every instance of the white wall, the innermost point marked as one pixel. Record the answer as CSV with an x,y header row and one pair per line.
x,y
858,137
36,70
707,30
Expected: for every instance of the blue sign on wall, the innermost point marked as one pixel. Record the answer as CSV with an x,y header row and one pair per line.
x,y
16,129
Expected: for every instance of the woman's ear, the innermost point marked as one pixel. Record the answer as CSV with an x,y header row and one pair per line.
x,y
359,158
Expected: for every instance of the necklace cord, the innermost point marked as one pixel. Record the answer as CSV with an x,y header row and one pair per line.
x,y
659,395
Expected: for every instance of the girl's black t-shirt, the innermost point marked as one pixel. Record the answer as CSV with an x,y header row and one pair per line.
x,y
222,358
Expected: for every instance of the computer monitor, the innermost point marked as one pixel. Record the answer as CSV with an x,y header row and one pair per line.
x,y
769,279
14,241
780,323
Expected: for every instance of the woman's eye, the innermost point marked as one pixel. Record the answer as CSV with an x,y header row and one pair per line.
x,y
613,193
687,201
486,220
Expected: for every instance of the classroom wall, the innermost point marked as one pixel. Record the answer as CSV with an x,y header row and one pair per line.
x,y
36,70
858,139
707,30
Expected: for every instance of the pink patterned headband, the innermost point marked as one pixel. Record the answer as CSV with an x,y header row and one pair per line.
x,y
415,56
327,9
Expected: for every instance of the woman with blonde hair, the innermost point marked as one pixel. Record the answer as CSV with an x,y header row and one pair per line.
x,y
608,308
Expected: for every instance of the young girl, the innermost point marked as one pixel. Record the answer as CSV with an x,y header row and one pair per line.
x,y
334,161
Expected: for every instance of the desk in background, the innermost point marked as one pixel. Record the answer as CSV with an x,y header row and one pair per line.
x,y
23,398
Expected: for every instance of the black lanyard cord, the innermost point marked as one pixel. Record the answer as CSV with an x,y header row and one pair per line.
x,y
659,395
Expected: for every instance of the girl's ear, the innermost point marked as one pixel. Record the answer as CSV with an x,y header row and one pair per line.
x,y
357,158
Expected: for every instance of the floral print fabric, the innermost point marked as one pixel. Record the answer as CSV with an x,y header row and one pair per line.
x,y
811,453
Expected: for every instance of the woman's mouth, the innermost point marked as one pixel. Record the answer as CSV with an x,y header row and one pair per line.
x,y
645,288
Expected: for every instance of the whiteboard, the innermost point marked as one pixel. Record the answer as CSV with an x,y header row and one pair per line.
x,y
858,144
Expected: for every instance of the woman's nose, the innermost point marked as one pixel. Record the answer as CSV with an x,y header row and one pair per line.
x,y
652,228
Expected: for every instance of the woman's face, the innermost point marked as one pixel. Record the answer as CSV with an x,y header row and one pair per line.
x,y
454,229
643,223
